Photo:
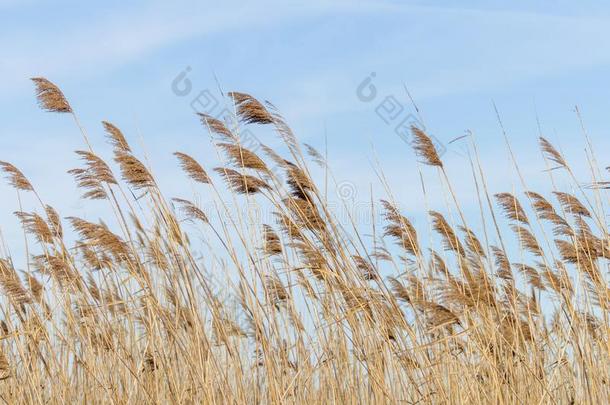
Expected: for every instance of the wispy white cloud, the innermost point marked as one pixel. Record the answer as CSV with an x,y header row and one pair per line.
x,y
99,44
515,45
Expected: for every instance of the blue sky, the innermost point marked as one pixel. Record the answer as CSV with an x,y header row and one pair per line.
x,y
117,60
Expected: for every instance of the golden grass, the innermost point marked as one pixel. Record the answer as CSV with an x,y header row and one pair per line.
x,y
177,304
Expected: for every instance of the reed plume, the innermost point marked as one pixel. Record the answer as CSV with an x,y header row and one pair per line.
x,y
192,168
243,158
116,137
249,109
424,148
134,172
512,207
215,126
15,177
551,153
50,97
242,183
191,210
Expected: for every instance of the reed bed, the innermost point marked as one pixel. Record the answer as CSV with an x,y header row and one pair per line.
x,y
168,302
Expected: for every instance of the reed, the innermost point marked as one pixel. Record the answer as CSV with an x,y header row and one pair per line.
x,y
201,302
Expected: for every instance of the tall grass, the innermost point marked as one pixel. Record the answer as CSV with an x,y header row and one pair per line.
x,y
168,302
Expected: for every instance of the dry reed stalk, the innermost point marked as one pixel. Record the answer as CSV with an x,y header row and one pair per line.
x,y
303,313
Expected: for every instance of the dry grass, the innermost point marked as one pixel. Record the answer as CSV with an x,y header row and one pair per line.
x,y
186,305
